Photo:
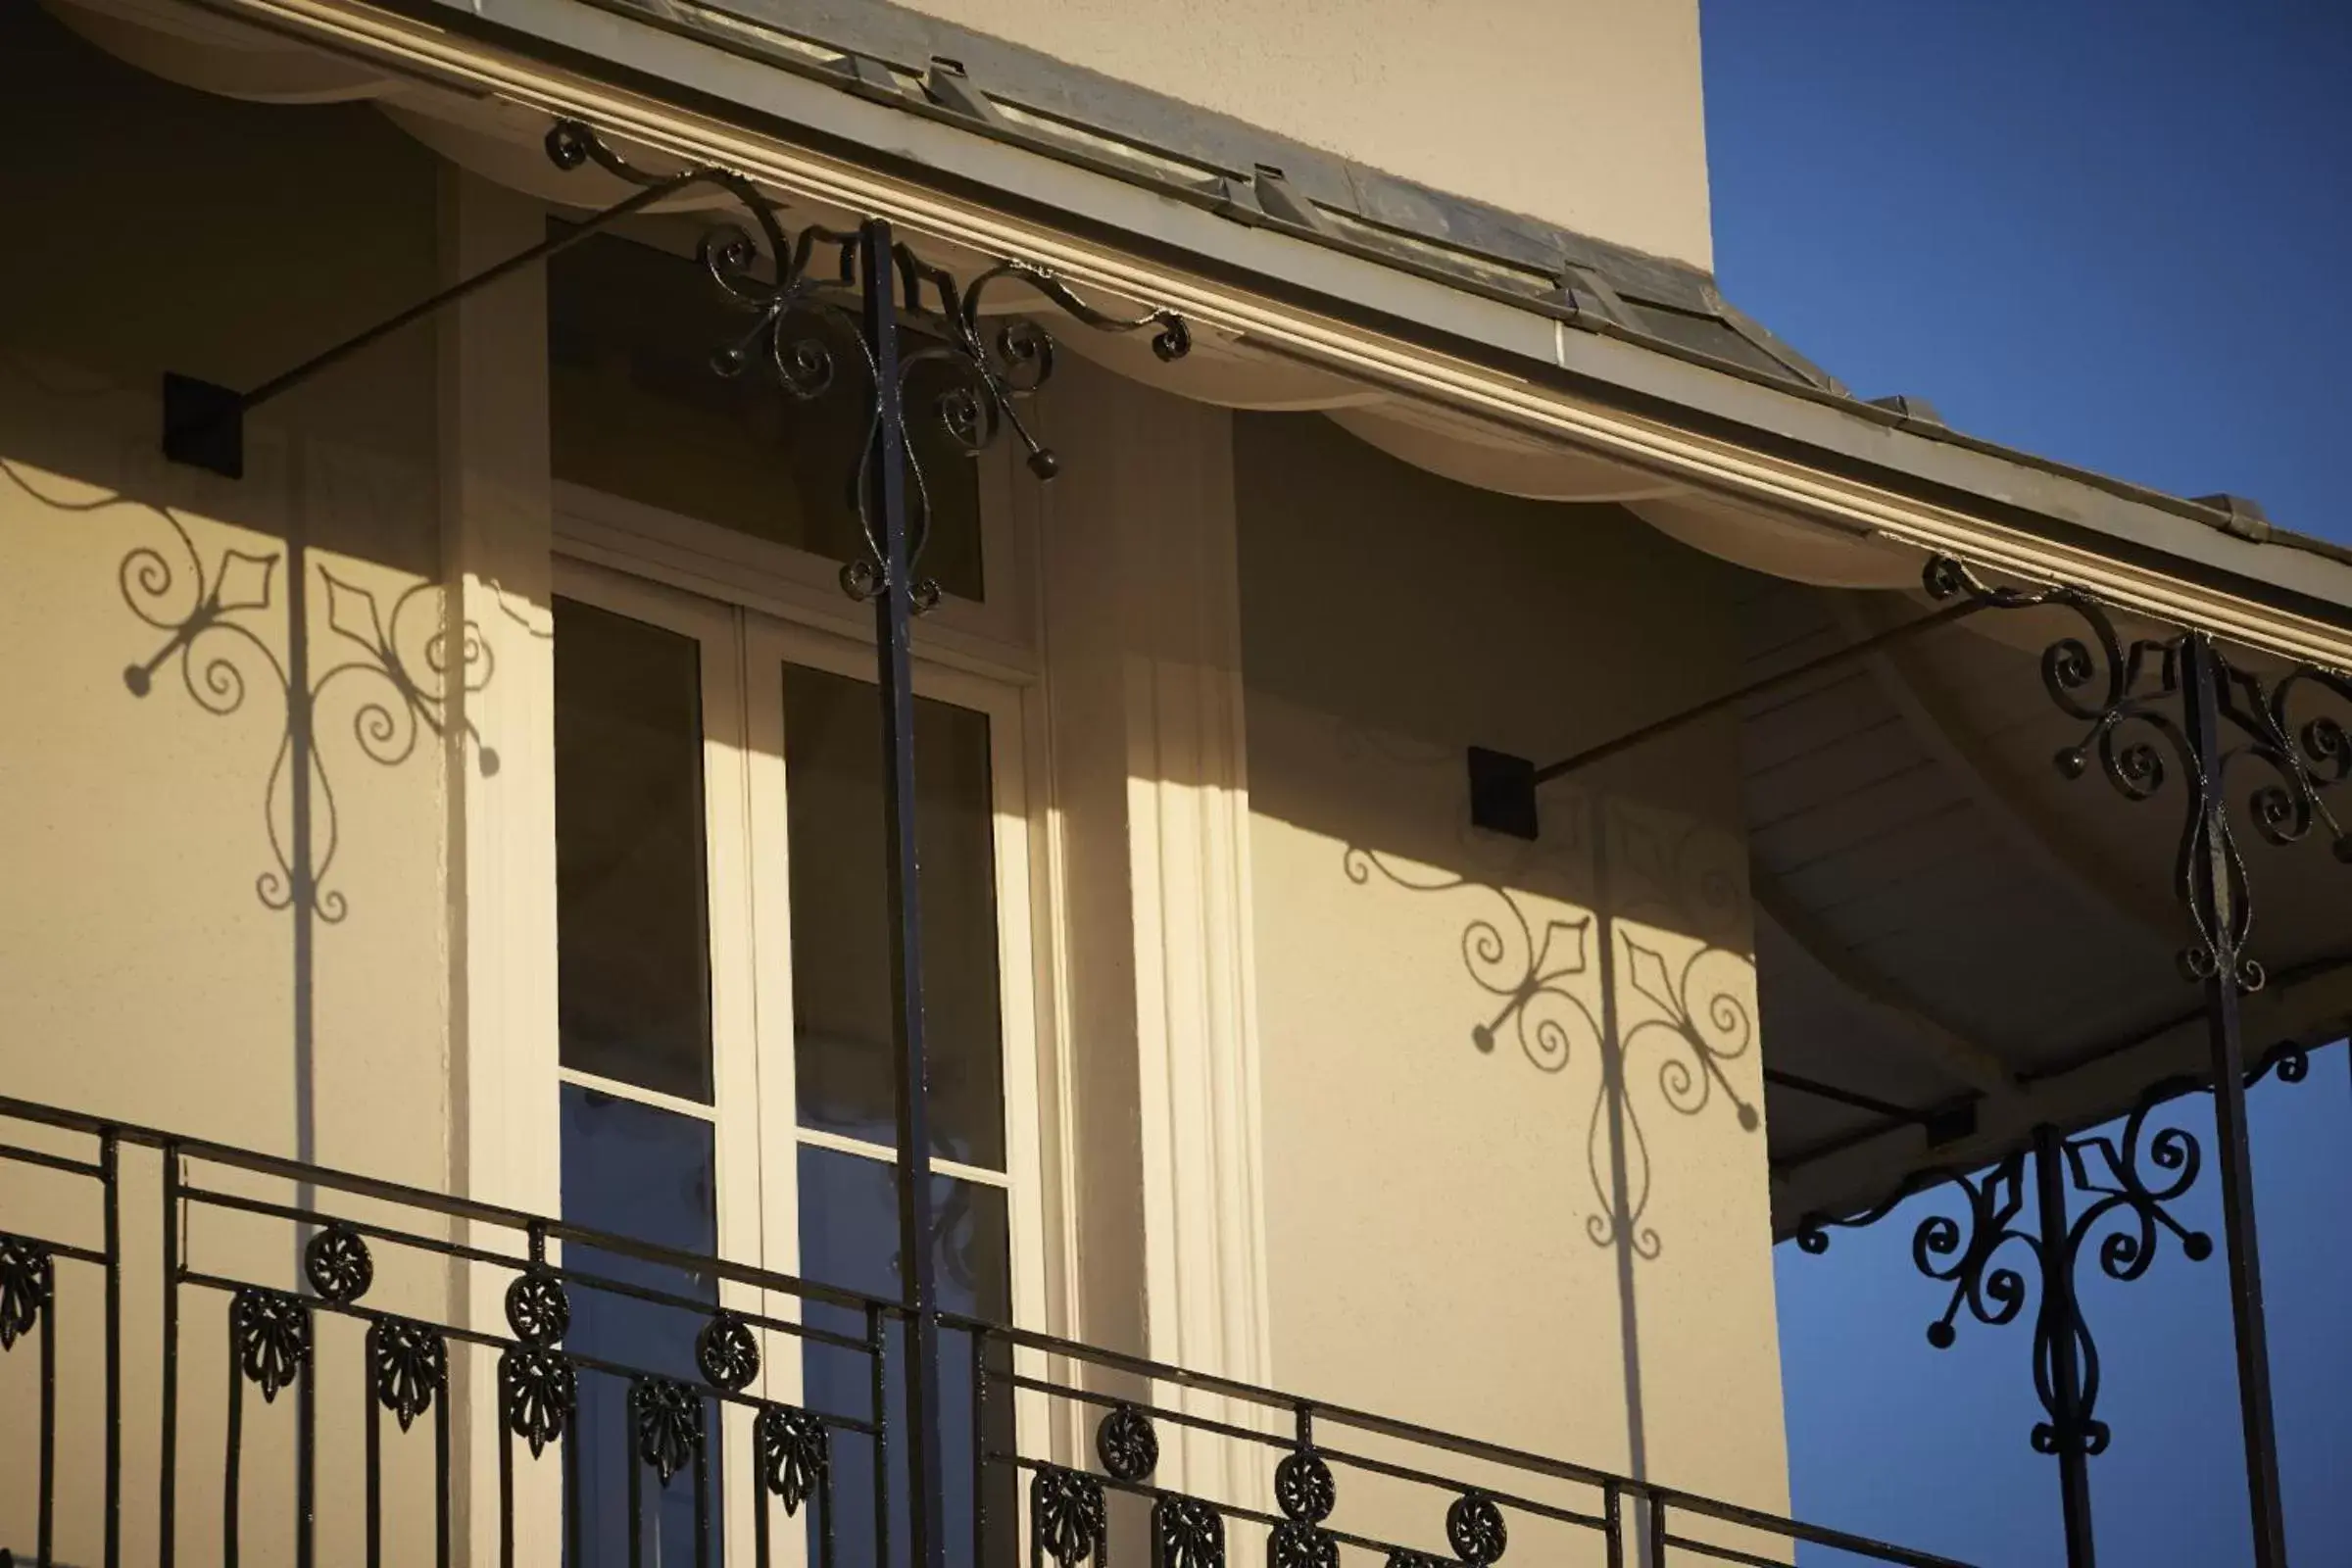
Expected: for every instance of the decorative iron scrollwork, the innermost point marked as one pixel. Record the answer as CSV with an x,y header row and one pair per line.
x,y
726,1353
409,1367
668,1415
27,1277
1068,1520
805,323
537,1309
1126,1443
2130,698
1474,1528
269,1334
540,1390
1187,1533
1304,1488
2291,1059
337,1264
794,1452
2128,1213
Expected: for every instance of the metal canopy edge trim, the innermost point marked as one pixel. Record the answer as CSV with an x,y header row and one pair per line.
x,y
1847,465
1511,241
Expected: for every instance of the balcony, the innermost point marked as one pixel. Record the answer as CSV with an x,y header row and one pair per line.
x,y
243,1358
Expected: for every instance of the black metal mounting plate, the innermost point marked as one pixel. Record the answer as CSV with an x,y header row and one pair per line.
x,y
204,425
1502,793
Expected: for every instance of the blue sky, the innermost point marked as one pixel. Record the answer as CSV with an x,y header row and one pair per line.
x,y
2117,234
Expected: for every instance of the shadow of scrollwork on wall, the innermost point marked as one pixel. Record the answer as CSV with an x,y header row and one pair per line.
x,y
223,618
1514,955
1653,1017
396,666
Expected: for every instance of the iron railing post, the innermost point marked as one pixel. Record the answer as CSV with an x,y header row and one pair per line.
x,y
2216,891
2061,1323
110,1165
893,612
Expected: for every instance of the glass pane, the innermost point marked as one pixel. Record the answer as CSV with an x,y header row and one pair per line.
x,y
637,411
849,1239
841,928
633,964
647,1174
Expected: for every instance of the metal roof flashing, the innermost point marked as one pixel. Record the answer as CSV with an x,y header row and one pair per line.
x,y
1020,95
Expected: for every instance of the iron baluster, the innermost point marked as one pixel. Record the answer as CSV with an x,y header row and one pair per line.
x,y
575,1538
2218,889
373,1457
629,1458
979,1352
877,1351
505,1473
702,1491
109,1168
441,1519
168,1472
46,1305
2061,1321
305,1467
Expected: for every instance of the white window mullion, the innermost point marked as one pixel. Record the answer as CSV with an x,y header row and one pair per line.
x,y
769,939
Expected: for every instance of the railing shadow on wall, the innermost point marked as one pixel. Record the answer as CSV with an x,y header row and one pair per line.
x,y
214,1400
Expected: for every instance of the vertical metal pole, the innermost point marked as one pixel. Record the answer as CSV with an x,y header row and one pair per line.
x,y
166,1480
2216,896
2062,1316
894,611
110,1166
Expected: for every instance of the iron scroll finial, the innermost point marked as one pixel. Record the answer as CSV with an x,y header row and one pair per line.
x,y
992,370
805,327
2137,699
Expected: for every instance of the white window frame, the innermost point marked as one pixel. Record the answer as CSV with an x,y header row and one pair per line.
x,y
745,645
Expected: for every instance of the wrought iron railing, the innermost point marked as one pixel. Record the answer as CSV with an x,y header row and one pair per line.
x,y
469,1382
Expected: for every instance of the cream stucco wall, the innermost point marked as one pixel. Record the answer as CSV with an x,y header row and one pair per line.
x,y
1516,1182
1584,113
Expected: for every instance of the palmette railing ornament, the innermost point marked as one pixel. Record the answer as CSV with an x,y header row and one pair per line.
x,y
28,1280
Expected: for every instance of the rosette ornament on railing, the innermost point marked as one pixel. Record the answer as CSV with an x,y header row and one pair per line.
x,y
801,289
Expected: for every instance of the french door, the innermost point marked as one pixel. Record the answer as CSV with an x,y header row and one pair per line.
x,y
727,1078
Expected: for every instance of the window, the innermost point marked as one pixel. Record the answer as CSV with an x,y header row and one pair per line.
x,y
724,1001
